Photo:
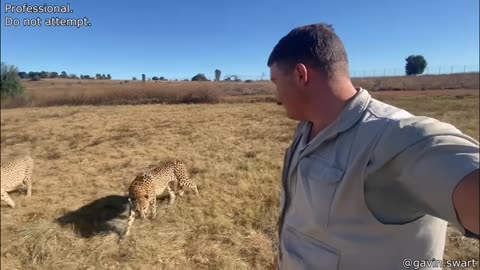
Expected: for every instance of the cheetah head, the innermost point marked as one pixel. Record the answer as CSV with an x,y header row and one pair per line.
x,y
139,194
140,205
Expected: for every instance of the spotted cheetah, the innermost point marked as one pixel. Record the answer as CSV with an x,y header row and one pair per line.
x,y
170,176
16,176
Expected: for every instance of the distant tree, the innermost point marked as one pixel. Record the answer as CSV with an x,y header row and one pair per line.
x,y
73,76
199,77
235,78
218,73
109,77
53,75
416,64
143,77
11,84
162,79
63,74
36,78
22,75
31,74
134,78
155,78
43,74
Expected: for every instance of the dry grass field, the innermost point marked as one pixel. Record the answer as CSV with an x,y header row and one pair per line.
x,y
234,151
58,92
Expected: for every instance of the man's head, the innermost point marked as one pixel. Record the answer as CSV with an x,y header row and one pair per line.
x,y
307,59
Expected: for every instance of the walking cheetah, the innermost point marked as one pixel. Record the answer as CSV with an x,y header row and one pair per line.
x,y
146,186
16,176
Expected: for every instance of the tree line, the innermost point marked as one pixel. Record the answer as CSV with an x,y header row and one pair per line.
x,y
36,76
11,78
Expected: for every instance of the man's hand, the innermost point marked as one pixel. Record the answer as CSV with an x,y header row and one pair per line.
x,y
466,202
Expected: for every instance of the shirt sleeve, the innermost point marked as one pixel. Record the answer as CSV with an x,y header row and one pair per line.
x,y
427,159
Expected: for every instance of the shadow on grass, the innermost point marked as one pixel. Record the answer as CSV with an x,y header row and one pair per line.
x,y
102,216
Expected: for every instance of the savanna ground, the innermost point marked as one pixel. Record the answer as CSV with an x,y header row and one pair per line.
x,y
234,151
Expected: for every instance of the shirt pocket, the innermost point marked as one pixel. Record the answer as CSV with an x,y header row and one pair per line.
x,y
302,252
315,188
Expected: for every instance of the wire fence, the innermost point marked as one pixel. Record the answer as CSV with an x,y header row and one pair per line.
x,y
359,73
388,72
400,71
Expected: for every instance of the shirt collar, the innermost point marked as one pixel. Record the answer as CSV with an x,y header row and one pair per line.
x,y
351,113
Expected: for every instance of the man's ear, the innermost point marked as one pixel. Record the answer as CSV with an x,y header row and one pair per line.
x,y
301,73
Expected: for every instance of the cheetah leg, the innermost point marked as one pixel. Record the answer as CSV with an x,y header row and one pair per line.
x,y
181,192
172,196
195,189
28,181
177,188
130,221
142,214
183,179
153,207
6,198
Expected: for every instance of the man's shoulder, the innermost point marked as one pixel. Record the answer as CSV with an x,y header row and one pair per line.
x,y
382,110
400,124
402,133
412,129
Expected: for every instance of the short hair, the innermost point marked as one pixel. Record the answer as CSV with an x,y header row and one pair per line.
x,y
316,45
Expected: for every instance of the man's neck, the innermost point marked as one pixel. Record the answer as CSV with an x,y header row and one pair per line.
x,y
327,106
315,129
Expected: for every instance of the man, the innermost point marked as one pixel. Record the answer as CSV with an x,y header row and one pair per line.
x,y
365,185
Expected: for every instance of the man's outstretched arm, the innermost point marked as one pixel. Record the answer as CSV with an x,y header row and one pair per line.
x,y
466,202
436,166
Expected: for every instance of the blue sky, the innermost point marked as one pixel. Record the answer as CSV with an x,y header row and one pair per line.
x,y
178,39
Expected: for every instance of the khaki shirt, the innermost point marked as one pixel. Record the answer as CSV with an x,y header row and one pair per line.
x,y
378,180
